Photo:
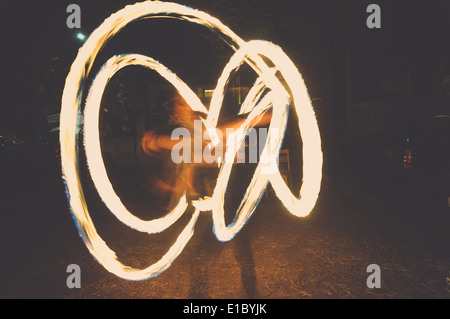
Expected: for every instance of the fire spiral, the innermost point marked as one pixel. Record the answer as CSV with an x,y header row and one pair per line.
x,y
256,54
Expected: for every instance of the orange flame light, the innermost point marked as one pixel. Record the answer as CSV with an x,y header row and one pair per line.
x,y
251,52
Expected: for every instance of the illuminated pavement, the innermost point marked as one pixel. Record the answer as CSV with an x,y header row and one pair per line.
x,y
357,222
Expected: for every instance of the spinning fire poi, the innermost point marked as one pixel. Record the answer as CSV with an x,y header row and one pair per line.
x,y
267,93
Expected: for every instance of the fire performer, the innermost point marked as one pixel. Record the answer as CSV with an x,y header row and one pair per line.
x,y
174,179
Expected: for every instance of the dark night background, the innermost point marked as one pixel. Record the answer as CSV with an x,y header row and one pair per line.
x,y
377,93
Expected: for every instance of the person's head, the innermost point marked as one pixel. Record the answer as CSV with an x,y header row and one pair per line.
x,y
175,104
180,109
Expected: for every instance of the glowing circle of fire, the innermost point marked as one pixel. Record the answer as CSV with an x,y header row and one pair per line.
x,y
256,54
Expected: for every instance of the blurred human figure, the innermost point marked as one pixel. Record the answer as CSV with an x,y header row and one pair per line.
x,y
174,179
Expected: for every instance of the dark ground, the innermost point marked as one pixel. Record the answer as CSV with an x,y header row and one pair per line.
x,y
359,220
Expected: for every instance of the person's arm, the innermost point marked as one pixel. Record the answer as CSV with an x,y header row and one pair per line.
x,y
152,142
261,120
